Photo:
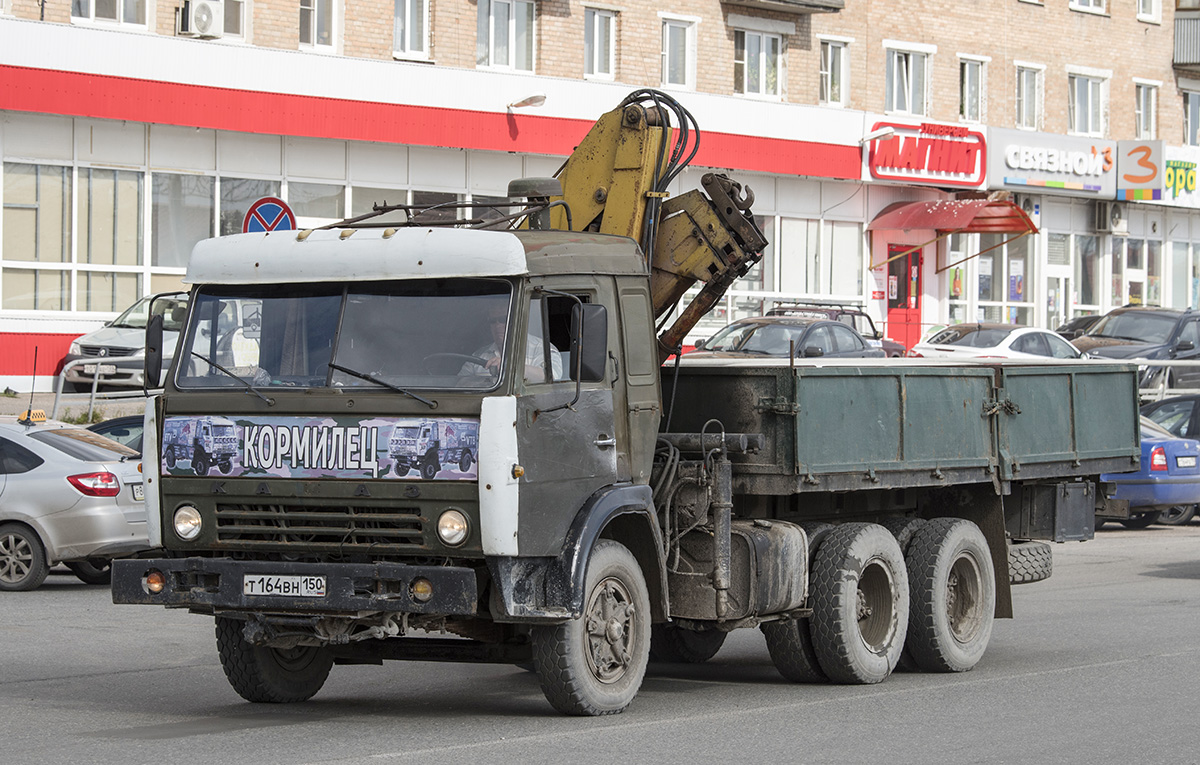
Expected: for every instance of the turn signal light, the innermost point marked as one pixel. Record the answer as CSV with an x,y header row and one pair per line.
x,y
96,484
154,582
1158,459
422,590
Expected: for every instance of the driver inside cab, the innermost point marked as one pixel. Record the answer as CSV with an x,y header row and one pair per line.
x,y
492,353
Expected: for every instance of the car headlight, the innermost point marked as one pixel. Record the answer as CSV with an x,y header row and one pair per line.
x,y
139,353
75,350
187,522
452,527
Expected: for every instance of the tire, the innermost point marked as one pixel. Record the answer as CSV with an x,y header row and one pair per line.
x,y
675,645
169,457
953,600
1140,520
225,466
270,675
200,462
903,528
1029,562
789,642
860,603
23,564
81,387
1179,515
399,470
594,665
464,461
92,570
429,469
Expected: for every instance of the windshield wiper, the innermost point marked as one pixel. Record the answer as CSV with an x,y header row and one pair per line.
x,y
384,383
249,385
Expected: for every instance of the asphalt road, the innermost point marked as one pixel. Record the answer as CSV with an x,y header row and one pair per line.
x,y
1099,666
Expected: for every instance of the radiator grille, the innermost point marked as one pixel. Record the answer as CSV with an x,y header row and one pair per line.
x,y
320,530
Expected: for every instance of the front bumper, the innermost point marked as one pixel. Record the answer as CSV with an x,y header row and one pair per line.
x,y
128,372
215,584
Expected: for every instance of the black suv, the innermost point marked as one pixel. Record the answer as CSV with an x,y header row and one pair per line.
x,y
847,314
1145,332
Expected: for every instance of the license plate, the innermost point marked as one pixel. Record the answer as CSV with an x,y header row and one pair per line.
x,y
289,586
1185,461
104,369
138,494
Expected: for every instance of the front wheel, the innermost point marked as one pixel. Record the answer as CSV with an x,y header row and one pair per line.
x,y
430,468
270,675
464,461
860,603
225,466
200,462
169,458
1140,520
953,599
594,665
1179,515
92,570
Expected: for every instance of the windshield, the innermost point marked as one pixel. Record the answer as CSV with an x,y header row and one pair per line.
x,y
172,309
767,339
83,444
426,334
971,336
1142,327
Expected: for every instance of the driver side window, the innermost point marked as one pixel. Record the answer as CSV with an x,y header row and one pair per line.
x,y
548,341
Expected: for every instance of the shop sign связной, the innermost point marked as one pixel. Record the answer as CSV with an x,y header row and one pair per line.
x,y
1043,163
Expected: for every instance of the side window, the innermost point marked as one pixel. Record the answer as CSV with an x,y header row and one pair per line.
x,y
15,459
819,337
1061,349
548,341
1175,416
845,340
1190,334
1025,344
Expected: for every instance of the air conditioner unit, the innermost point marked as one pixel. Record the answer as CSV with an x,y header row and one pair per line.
x,y
1031,205
200,18
1110,219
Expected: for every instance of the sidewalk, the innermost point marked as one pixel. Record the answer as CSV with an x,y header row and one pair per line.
x,y
71,404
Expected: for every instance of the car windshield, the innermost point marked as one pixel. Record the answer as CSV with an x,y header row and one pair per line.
x,y
171,308
758,338
419,334
972,336
83,444
1151,429
1142,326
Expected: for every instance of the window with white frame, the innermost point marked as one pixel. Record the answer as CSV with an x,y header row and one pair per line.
x,y
1149,10
679,52
316,23
971,92
410,29
834,91
1029,97
1085,105
119,11
757,59
1146,110
505,34
599,43
1191,118
235,23
906,82
1095,6
5,7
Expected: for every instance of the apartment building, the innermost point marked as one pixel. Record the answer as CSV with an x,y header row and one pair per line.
x,y
130,129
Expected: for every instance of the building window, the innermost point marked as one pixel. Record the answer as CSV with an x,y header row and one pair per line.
x,y
1145,111
505,34
1087,272
316,23
236,196
1191,118
324,202
120,11
1149,10
1085,105
821,258
410,29
234,18
906,82
1094,6
599,43
1029,98
970,90
37,230
181,214
679,53
756,63
833,73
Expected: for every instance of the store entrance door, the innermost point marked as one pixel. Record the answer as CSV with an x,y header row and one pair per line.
x,y
904,295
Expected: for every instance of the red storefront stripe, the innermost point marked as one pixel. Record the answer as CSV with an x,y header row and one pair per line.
x,y
18,347
168,103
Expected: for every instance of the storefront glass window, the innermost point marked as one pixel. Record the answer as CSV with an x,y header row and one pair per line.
x,y
105,291
1087,271
181,214
1117,293
317,200
1180,275
799,256
37,211
843,252
110,217
28,289
237,194
1154,272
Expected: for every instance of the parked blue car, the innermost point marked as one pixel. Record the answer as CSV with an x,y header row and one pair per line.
x,y
1169,476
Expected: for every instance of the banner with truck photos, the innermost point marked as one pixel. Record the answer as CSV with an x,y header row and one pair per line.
x,y
430,448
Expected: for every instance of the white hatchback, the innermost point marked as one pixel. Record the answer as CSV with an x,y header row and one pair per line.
x,y
995,341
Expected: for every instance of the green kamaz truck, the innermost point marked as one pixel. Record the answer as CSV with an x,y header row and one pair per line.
x,y
613,508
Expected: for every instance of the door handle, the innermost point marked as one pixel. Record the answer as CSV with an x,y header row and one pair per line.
x,y
605,442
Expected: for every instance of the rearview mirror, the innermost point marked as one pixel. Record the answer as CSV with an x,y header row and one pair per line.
x,y
1185,345
813,351
152,368
589,342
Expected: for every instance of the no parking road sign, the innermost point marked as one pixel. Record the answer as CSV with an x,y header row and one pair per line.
x,y
269,214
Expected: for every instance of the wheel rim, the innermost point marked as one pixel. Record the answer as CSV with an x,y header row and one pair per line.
x,y
610,630
876,617
294,659
16,558
964,598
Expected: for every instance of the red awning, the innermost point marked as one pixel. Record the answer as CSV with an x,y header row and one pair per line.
x,y
952,216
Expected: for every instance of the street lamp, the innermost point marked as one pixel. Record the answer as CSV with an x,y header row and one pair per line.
x,y
537,99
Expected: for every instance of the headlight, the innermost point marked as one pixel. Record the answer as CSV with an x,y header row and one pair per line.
x,y
187,522
452,528
75,350
139,353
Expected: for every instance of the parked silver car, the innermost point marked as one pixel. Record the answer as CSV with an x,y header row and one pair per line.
x,y
125,336
67,495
